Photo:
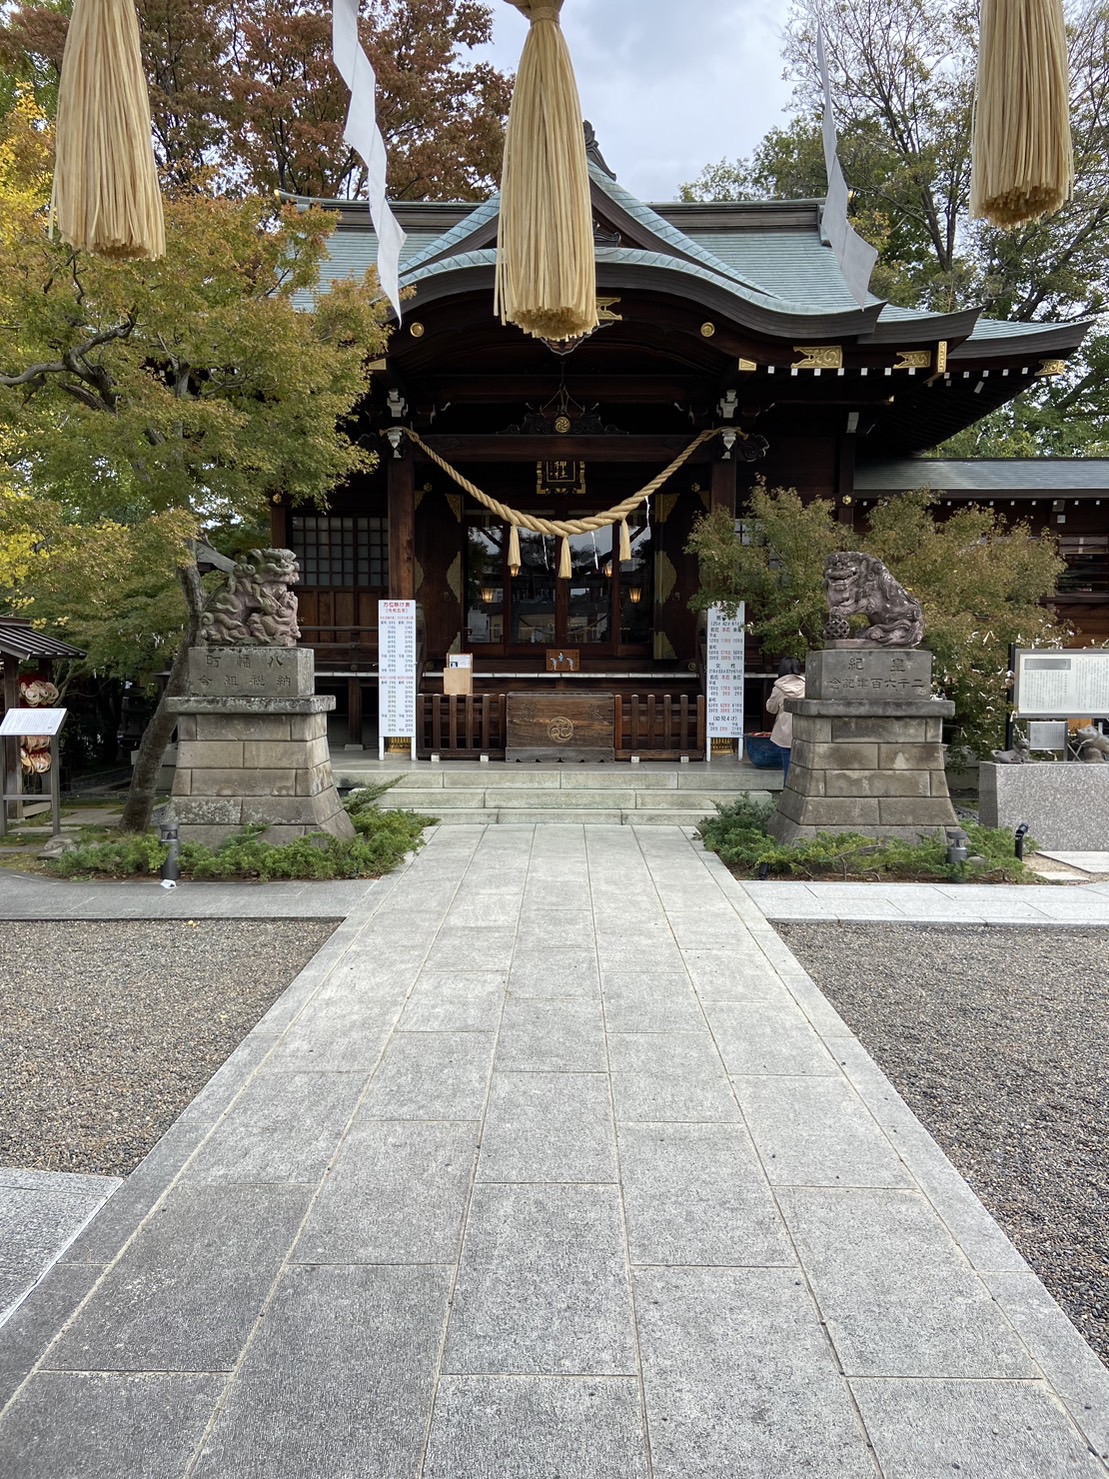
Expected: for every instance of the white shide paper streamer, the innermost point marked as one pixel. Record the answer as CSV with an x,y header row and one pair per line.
x,y
363,135
855,256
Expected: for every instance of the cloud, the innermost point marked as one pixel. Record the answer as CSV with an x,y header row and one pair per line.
x,y
669,88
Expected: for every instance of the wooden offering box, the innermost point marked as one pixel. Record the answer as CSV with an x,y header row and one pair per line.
x,y
560,726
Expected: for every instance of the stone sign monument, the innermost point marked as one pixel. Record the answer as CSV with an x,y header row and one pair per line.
x,y
252,731
867,754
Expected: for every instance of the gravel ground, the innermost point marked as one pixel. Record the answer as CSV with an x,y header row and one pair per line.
x,y
108,1030
997,1038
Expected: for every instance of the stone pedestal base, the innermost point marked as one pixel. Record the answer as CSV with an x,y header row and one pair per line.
x,y
254,762
867,754
1064,803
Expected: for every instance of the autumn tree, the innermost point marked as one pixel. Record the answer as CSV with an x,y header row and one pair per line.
x,y
902,77
174,396
245,94
980,582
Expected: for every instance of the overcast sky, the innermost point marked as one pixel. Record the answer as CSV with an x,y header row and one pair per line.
x,y
669,85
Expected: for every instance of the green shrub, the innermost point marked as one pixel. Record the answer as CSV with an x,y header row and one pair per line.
x,y
739,835
116,857
382,840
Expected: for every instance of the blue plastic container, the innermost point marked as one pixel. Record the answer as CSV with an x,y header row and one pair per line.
x,y
762,751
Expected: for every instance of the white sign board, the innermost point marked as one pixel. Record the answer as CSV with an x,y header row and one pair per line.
x,y
396,686
724,659
32,721
1062,684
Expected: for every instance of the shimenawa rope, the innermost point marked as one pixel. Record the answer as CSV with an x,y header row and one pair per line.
x,y
106,195
546,280
1022,163
563,528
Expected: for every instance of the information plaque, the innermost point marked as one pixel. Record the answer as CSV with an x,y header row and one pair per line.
x,y
24,724
32,721
724,666
396,689
1062,683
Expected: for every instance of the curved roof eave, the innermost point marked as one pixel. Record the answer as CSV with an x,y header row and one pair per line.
x,y
457,241
998,339
637,214
622,269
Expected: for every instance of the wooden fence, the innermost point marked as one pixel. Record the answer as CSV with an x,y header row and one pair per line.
x,y
655,726
660,726
460,726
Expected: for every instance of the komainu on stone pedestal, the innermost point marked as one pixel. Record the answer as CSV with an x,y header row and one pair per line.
x,y
860,585
255,605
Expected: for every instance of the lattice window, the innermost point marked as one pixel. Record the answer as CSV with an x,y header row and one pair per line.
x,y
342,550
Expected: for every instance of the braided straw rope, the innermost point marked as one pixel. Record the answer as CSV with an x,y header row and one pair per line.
x,y
546,279
105,194
563,528
1022,164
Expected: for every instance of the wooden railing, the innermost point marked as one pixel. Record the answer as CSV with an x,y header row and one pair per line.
x,y
460,726
660,726
655,726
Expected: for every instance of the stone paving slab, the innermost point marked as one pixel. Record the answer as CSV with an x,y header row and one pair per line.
x,y
931,903
41,1212
28,896
469,1201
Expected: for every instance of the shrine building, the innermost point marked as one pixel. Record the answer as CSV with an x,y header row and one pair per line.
x,y
731,318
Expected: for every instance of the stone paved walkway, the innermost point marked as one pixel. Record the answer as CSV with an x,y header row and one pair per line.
x,y
552,1163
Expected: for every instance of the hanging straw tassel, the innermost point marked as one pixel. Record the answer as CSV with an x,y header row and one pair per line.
x,y
514,561
106,195
546,271
625,542
565,563
1023,164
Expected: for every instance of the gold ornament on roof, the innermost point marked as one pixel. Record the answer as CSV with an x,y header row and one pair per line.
x,y
913,359
818,357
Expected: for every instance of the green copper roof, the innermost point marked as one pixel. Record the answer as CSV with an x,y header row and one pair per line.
x,y
765,260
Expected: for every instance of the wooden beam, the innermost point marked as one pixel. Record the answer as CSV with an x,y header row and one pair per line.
x,y
460,386
402,527
511,448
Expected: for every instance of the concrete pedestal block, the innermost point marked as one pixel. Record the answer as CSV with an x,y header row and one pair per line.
x,y
255,756
1065,803
866,751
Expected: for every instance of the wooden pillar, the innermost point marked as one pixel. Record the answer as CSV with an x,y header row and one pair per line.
x,y
845,479
9,747
402,528
354,712
722,494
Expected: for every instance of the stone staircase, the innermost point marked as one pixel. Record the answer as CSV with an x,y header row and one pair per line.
x,y
663,793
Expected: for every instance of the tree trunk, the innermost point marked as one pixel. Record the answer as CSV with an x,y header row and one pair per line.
x,y
158,733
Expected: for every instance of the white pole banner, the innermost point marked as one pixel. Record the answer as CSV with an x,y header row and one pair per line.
x,y
363,135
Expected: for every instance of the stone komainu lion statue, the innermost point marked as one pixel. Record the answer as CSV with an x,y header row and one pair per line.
x,y
255,606
859,585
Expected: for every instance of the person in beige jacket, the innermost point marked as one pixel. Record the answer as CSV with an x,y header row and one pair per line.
x,y
790,684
